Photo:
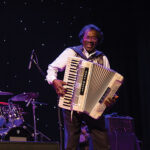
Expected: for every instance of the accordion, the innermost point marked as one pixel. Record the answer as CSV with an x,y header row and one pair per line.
x,y
89,85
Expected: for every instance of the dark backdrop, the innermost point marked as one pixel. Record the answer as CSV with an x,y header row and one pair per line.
x,y
49,26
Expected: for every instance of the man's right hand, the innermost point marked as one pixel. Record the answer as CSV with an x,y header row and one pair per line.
x,y
58,85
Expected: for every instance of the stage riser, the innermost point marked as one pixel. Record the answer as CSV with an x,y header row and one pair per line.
x,y
28,146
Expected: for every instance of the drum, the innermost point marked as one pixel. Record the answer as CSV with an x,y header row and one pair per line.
x,y
15,117
21,134
4,110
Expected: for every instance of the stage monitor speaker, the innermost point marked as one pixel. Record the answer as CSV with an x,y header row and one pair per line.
x,y
121,132
119,123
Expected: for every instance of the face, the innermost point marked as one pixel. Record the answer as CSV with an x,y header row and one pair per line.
x,y
90,40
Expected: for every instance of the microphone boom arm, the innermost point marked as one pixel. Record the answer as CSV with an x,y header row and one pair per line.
x,y
38,67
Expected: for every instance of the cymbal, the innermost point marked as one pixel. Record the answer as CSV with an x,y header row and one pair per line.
x,y
24,96
3,103
5,93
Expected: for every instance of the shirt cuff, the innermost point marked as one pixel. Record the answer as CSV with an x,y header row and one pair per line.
x,y
50,80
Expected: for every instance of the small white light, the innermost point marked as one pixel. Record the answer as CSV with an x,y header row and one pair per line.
x,y
25,3
29,81
25,29
70,36
21,21
43,44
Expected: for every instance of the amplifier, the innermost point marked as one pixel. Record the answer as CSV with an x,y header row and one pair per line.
x,y
115,123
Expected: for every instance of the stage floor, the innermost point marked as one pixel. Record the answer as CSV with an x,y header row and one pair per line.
x,y
29,146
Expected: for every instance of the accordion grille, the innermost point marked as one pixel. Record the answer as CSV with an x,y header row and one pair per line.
x,y
98,85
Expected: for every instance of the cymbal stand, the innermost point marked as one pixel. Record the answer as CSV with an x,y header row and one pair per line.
x,y
32,101
36,132
40,133
34,119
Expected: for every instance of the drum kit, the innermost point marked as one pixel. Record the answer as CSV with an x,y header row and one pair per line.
x,y
12,114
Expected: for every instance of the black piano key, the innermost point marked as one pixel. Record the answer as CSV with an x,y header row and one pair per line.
x,y
67,96
70,83
73,71
67,99
74,65
66,105
73,68
74,75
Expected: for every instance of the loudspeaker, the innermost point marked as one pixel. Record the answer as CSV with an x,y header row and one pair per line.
x,y
28,146
119,123
121,132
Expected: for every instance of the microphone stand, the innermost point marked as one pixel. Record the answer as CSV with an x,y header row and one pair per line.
x,y
33,102
38,67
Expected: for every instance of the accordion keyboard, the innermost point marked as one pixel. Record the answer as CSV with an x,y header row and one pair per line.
x,y
71,72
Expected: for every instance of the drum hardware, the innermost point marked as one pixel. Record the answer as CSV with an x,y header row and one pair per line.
x,y
12,120
2,121
36,132
6,93
21,134
10,117
32,101
40,135
29,98
15,116
24,97
4,109
3,132
3,103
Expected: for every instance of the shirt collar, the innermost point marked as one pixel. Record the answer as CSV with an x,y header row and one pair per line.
x,y
87,54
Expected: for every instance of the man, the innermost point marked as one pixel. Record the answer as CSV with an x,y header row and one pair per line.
x,y
90,36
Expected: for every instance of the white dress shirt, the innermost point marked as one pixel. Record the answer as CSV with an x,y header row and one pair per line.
x,y
60,63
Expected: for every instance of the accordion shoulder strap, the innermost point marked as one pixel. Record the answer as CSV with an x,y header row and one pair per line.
x,y
78,50
99,55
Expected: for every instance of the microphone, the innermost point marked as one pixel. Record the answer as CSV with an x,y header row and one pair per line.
x,y
31,59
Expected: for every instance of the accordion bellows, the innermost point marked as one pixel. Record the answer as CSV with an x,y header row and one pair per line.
x,y
89,85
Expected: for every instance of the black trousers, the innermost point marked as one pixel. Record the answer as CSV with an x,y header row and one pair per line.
x,y
72,129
